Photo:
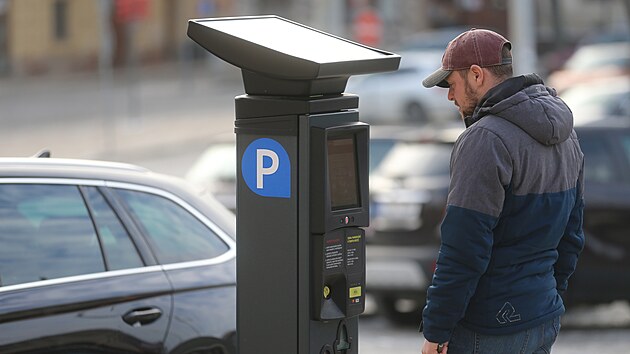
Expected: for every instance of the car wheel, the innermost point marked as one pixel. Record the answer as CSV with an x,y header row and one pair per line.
x,y
402,312
415,113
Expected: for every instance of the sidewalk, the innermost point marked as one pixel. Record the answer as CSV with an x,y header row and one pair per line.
x,y
161,109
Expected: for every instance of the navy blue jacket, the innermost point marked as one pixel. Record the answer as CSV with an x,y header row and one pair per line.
x,y
512,232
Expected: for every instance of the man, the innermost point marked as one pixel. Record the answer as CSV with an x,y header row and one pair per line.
x,y
512,232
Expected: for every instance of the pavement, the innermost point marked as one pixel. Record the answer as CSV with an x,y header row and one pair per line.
x,y
150,113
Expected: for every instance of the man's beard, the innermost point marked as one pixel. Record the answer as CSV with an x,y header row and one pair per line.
x,y
471,101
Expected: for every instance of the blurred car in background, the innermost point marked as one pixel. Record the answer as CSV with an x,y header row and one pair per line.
x,y
554,60
615,34
409,178
109,258
408,193
598,100
592,62
215,170
384,137
602,271
436,39
398,97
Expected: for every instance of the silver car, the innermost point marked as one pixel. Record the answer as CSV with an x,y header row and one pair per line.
x,y
399,97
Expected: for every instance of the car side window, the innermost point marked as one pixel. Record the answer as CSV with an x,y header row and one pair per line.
x,y
625,143
46,233
601,157
174,233
598,160
119,250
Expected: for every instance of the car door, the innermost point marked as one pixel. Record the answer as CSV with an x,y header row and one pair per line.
x,y
606,255
71,278
198,258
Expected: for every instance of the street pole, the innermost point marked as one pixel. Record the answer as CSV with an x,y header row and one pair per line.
x,y
106,74
246,7
522,33
330,16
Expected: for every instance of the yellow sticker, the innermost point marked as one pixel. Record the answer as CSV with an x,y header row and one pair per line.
x,y
355,292
326,292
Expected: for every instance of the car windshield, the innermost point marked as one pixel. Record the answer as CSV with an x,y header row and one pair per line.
x,y
378,150
597,100
600,55
602,165
417,159
216,163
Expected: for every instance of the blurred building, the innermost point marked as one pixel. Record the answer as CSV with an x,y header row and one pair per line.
x,y
38,36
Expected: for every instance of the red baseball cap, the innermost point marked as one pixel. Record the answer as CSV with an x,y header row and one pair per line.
x,y
474,47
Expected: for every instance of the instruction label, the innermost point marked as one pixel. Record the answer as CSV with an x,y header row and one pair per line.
x,y
353,251
333,254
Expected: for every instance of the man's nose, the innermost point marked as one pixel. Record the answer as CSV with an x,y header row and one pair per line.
x,y
451,96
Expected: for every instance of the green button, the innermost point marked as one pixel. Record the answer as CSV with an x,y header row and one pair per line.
x,y
355,292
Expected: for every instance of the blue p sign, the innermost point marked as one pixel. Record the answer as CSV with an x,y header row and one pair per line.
x,y
266,168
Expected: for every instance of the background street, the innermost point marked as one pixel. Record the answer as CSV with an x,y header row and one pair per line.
x,y
376,336
177,111
159,116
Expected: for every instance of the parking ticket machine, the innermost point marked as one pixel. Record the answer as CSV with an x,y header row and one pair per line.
x,y
302,182
338,195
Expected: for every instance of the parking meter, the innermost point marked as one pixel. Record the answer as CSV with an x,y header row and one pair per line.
x,y
302,184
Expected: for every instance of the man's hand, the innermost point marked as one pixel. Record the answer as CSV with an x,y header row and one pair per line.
x,y
433,348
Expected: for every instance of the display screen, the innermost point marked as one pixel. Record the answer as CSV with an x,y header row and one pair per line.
x,y
342,173
294,39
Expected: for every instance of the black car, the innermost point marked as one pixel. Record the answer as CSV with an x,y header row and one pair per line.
x,y
602,271
102,257
408,193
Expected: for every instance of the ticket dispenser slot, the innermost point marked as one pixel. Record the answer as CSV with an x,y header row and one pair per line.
x,y
339,154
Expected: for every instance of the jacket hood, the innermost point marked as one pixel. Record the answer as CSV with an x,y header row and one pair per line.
x,y
526,102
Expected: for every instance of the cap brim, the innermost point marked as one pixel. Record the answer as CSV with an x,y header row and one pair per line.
x,y
437,79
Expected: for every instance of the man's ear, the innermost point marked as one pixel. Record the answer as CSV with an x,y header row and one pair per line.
x,y
476,74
